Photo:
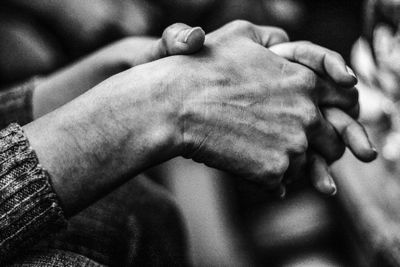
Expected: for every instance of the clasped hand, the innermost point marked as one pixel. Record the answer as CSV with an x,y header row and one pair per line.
x,y
249,102
248,111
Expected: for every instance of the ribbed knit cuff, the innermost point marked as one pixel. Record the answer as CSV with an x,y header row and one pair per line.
x,y
29,209
16,104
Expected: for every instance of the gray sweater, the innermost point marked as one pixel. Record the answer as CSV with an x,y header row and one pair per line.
x,y
137,224
29,209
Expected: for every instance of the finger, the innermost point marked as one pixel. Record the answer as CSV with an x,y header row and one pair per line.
x,y
331,95
269,36
352,133
282,191
320,176
324,139
354,112
257,193
321,60
263,35
270,170
296,169
180,39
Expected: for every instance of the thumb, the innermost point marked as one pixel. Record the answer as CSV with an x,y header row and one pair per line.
x,y
180,39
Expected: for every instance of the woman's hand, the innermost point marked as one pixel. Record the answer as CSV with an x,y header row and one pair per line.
x,y
255,114
330,65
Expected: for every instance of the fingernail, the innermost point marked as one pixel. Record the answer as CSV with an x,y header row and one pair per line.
x,y
351,72
373,148
282,191
334,188
185,34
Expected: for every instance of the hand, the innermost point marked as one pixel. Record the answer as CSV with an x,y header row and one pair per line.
x,y
235,106
330,65
65,85
250,112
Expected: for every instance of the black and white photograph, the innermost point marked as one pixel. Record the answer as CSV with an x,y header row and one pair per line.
x,y
200,133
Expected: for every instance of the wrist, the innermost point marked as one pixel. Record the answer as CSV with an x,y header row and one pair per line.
x,y
151,102
115,131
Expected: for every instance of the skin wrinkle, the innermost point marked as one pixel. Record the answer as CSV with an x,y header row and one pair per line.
x,y
99,156
269,134
283,69
96,132
198,148
278,112
216,84
246,148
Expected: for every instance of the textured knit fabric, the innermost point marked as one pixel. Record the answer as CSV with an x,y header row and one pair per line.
x,y
138,224
16,104
53,258
28,207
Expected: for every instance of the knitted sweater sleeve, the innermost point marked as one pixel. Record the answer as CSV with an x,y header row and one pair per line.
x,y
16,104
29,209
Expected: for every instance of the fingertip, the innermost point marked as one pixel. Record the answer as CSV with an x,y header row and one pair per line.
x,y
368,155
359,143
321,177
325,185
352,74
282,191
333,187
180,38
349,79
196,34
194,39
339,72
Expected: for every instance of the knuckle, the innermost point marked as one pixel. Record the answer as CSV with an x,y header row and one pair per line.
x,y
278,166
301,50
272,169
280,33
307,79
174,29
169,30
335,54
337,152
308,76
311,115
241,25
299,143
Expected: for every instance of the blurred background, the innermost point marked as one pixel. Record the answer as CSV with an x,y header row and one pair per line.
x,y
57,33
226,225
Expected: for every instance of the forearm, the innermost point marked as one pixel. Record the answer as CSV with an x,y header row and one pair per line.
x,y
109,134
69,83
72,81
